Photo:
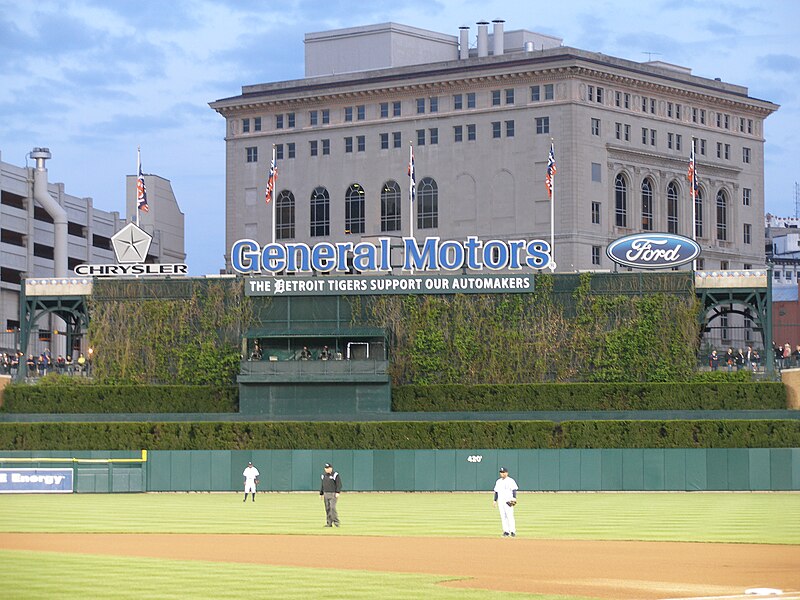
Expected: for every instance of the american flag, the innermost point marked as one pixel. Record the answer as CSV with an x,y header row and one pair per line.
x,y
271,180
551,171
141,191
412,174
691,174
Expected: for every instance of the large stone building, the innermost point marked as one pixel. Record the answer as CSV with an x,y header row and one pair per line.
x,y
481,121
28,237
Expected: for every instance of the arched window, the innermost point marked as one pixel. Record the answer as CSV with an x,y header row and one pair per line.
x,y
647,205
672,207
284,216
698,213
427,204
390,206
354,209
621,200
320,212
722,215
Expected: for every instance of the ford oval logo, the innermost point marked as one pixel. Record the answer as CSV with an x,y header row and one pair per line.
x,y
653,250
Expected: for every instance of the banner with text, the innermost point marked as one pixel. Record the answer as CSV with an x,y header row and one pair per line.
x,y
407,284
36,481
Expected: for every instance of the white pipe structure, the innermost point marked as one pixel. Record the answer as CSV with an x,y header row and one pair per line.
x,y
483,38
498,45
53,208
463,46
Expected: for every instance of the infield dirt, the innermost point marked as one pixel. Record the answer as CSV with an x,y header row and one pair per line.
x,y
608,570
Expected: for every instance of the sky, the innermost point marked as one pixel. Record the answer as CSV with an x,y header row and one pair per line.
x,y
94,79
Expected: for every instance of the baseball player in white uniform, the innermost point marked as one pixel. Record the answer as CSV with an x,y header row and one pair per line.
x,y
505,498
250,481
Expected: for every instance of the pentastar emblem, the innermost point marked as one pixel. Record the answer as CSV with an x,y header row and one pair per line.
x,y
131,244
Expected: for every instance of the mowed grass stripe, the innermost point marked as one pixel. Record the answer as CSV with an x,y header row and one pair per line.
x,y
772,518
36,575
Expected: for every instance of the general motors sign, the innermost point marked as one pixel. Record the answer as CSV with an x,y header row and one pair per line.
x,y
653,250
36,481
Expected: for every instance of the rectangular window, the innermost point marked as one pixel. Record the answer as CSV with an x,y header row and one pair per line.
x,y
313,147
257,124
361,143
596,255
312,117
496,129
644,104
458,133
595,126
595,213
495,97
741,124
252,154
727,122
278,151
348,113
471,133
677,111
326,116
433,135
420,106
627,98
433,104
348,144
361,112
596,172
245,125
652,106
535,93
669,109
510,96
618,130
746,195
618,99
719,120
278,121
384,110
290,119
548,91
746,155
420,137
727,151
749,125
384,141
458,101
290,149
703,147
702,116
645,135
542,124
471,100
627,133
670,140
326,146
590,92
652,137
678,142
747,233
509,128
719,149
396,108
397,139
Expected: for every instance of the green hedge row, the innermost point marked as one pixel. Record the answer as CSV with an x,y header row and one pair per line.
x,y
590,397
59,399
400,435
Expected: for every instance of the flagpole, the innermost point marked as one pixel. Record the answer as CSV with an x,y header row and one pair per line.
x,y
411,168
138,171
274,165
693,185
552,217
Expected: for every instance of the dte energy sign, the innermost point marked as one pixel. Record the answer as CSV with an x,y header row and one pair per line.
x,y
248,257
653,250
36,481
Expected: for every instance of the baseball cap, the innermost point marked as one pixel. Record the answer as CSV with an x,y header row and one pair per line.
x,y
249,463
328,465
503,470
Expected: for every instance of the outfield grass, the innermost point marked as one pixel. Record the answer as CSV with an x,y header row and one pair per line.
x,y
772,518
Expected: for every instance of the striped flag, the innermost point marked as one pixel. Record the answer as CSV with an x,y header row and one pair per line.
x,y
412,175
271,180
551,171
141,189
691,174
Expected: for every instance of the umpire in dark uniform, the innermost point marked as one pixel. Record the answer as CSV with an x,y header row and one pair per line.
x,y
329,491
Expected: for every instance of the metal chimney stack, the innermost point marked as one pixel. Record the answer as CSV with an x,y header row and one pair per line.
x,y
463,45
497,37
483,38
53,208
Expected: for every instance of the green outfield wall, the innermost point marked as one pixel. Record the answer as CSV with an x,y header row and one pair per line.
x,y
729,469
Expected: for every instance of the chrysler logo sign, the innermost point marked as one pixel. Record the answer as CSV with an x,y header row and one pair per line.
x,y
653,250
130,245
